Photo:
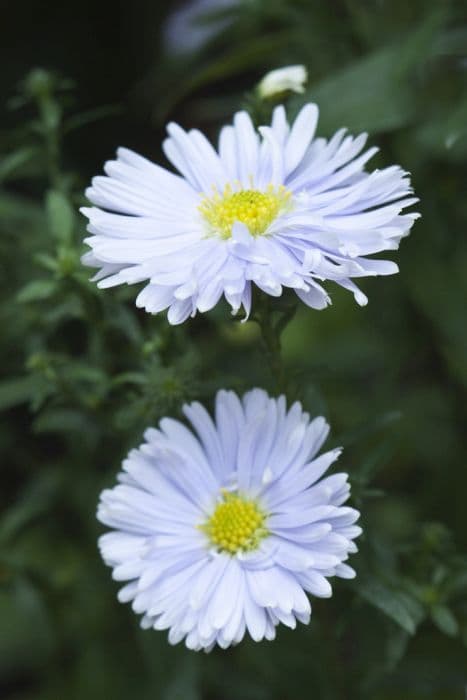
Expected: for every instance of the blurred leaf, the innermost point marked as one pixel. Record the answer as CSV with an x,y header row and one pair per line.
x,y
445,620
446,133
402,609
456,583
62,420
90,116
37,290
130,378
51,114
47,261
372,425
396,648
15,209
185,685
26,636
377,458
369,95
128,323
35,500
452,42
14,161
375,93
14,392
60,216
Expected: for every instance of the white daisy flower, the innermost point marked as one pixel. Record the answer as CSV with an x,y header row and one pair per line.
x,y
222,532
280,80
275,209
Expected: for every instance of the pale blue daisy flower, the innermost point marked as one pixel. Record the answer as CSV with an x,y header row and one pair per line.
x,y
223,530
276,209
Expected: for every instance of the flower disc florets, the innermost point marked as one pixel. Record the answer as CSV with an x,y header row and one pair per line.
x,y
237,524
257,210
224,530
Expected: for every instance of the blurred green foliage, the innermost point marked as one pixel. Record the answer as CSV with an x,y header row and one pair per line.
x,y
85,372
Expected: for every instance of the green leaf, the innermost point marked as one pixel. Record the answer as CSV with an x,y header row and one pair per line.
x,y
396,647
393,603
60,216
26,634
90,116
138,378
185,684
62,420
35,500
445,620
375,461
365,96
375,93
37,290
46,261
51,114
446,134
370,427
20,211
456,583
14,392
13,161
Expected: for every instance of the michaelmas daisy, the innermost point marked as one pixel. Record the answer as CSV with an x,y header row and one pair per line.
x,y
278,208
222,531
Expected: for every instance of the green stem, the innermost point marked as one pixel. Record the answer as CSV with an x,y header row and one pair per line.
x,y
50,120
271,332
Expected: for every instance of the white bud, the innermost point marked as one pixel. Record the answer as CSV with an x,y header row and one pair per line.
x,y
276,82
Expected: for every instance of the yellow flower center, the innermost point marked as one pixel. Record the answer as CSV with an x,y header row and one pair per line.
x,y
257,210
237,524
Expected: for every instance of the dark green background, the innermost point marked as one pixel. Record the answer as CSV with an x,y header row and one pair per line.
x,y
85,372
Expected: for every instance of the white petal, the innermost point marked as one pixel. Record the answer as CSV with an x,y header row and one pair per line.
x,y
301,135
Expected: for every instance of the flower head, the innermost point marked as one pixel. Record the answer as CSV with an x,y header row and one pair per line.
x,y
221,531
278,208
288,79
